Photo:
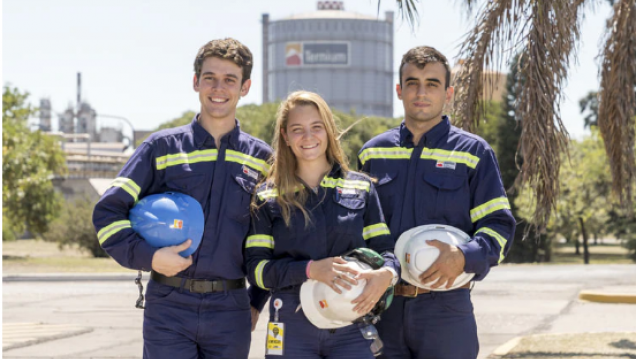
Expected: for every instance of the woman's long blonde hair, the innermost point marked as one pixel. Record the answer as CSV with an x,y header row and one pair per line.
x,y
282,174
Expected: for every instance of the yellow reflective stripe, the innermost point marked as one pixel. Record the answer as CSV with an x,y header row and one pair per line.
x,y
111,229
127,185
260,240
180,158
258,273
393,153
375,230
268,193
339,182
489,207
502,241
271,193
253,162
450,156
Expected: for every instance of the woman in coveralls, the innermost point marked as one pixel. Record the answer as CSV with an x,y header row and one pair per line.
x,y
310,210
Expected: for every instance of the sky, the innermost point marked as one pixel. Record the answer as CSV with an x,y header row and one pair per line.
x,y
136,56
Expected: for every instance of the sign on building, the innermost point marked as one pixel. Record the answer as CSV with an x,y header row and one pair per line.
x,y
317,54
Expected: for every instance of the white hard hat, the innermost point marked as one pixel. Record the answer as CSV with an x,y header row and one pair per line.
x,y
416,256
327,309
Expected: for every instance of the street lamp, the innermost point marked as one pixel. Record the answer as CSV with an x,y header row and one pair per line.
x,y
132,140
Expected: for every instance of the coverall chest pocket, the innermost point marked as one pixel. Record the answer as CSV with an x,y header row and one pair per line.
x,y
443,197
387,189
240,196
349,212
194,184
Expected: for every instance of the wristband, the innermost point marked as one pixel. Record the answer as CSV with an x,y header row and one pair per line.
x,y
395,276
307,268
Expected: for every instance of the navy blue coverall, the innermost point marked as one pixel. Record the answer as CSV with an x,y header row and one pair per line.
x,y
178,323
450,177
345,214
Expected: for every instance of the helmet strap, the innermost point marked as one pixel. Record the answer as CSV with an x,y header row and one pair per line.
x,y
140,300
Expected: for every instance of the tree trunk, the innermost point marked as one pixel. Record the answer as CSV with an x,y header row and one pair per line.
x,y
586,252
548,248
577,246
596,238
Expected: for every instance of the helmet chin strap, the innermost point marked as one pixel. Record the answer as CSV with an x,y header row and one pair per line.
x,y
140,300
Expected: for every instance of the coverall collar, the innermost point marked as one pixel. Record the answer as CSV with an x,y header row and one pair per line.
x,y
335,172
202,138
430,138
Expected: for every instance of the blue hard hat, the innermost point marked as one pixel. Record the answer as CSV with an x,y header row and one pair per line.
x,y
168,219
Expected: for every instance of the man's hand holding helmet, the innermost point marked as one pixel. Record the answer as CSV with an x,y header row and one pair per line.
x,y
448,266
169,262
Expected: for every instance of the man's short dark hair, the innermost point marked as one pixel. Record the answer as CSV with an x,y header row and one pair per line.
x,y
226,49
422,55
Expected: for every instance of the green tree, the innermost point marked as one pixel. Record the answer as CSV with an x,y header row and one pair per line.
x,y
502,130
359,130
30,160
584,208
179,121
586,186
547,32
74,227
260,120
589,108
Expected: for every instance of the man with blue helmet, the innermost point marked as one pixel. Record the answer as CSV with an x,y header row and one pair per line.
x,y
197,306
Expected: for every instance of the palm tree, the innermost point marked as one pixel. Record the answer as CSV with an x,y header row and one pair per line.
x,y
546,34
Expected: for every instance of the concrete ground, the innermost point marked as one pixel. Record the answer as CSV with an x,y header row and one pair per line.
x,y
93,316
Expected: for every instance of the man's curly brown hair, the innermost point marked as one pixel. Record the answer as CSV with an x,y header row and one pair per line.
x,y
226,49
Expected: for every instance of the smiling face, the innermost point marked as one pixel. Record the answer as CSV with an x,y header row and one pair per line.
x,y
423,93
306,134
220,89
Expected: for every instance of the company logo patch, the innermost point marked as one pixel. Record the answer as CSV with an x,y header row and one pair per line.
x,y
346,190
449,165
178,224
250,172
293,54
323,304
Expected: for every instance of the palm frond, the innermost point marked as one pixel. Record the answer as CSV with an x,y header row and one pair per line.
x,y
483,47
407,10
618,99
469,5
550,43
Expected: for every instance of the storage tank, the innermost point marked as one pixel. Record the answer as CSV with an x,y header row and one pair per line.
x,y
345,57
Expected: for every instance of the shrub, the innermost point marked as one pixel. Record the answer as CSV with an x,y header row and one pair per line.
x,y
74,227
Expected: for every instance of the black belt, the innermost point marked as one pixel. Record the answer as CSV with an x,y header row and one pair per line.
x,y
198,285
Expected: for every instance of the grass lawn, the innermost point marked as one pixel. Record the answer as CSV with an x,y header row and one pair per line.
x,y
610,252
35,256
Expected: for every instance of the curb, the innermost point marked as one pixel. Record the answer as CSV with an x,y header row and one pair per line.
x,y
562,345
506,347
70,277
607,297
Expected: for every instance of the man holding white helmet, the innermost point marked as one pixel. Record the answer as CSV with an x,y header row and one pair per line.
x,y
432,173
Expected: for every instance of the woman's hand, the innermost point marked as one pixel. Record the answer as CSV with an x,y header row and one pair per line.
x,y
377,282
332,271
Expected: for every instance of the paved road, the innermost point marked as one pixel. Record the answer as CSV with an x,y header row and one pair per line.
x,y
97,319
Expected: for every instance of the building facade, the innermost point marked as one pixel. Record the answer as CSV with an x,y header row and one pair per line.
x,y
345,57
